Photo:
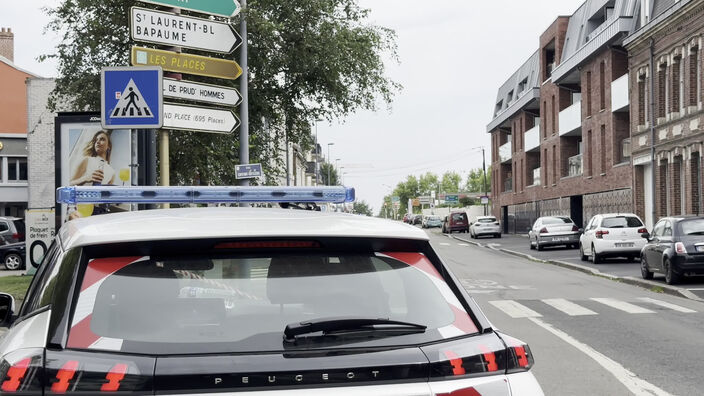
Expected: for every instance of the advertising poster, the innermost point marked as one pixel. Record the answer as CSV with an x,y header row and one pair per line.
x,y
91,156
39,234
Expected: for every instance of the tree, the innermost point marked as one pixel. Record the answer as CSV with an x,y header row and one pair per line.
x,y
451,182
361,207
475,181
407,190
324,168
307,60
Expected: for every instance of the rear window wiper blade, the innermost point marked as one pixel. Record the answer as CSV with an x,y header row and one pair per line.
x,y
329,325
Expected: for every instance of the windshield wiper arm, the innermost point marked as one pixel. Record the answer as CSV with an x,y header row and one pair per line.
x,y
327,325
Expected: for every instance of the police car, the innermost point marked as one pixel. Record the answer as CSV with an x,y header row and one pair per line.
x,y
249,301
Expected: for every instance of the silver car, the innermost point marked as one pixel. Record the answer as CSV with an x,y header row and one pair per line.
x,y
554,231
485,225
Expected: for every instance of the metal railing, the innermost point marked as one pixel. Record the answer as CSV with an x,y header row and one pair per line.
x,y
575,165
536,176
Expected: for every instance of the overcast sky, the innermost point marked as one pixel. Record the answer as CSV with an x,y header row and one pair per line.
x,y
454,56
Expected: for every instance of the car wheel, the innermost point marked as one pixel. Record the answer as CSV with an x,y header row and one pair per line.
x,y
13,261
498,235
538,246
596,258
582,256
530,241
671,277
644,271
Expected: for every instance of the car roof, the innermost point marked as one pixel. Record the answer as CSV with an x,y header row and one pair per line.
x,y
9,218
486,217
617,214
226,222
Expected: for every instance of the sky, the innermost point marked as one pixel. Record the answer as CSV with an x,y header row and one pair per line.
x,y
453,58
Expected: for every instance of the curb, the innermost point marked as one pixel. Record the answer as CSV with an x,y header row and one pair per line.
x,y
646,284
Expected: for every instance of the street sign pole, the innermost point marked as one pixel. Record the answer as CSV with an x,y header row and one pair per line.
x,y
244,91
164,165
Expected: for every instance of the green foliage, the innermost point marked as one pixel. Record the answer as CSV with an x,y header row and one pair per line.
x,y
361,207
326,169
312,59
16,286
475,180
451,182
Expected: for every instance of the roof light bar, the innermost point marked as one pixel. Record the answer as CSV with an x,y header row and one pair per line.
x,y
148,195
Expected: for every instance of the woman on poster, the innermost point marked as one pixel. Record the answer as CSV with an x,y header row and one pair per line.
x,y
94,169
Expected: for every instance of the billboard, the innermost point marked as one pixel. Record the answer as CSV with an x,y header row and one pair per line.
x,y
88,155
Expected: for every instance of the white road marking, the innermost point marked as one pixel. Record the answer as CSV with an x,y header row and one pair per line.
x,y
444,244
623,306
462,244
667,305
637,386
568,307
514,309
521,287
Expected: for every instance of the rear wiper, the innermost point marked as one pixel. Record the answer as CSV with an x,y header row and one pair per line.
x,y
329,325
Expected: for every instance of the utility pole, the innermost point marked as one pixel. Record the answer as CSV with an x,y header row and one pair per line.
x,y
244,90
486,193
329,163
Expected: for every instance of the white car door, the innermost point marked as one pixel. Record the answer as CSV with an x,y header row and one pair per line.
x,y
587,238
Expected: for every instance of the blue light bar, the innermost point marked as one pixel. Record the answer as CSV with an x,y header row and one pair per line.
x,y
150,195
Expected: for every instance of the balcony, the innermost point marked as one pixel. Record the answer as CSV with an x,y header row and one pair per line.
x,y
619,94
575,165
508,185
532,138
505,153
571,120
536,176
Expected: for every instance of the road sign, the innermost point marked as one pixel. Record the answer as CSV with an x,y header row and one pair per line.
x,y
199,119
199,92
166,28
186,63
452,198
248,171
484,200
224,8
416,202
395,199
425,199
131,97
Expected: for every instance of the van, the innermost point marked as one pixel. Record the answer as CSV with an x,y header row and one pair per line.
x,y
455,222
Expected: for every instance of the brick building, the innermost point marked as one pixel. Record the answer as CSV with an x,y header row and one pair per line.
x,y
560,132
665,68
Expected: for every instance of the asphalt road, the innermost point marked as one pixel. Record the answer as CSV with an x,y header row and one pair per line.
x,y
616,266
589,335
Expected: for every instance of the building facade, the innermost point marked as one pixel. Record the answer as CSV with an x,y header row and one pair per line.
x,y
667,120
560,132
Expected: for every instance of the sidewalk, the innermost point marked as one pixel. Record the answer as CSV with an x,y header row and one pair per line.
x,y
618,269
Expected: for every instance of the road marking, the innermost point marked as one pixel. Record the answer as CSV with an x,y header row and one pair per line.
x,y
444,244
514,309
667,305
623,306
630,380
521,287
568,307
462,244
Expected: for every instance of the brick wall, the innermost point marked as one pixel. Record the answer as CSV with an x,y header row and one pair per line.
x,y
7,44
40,144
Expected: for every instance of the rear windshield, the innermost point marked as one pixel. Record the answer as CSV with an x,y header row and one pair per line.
x,y
487,220
243,304
437,218
459,216
621,222
556,220
692,227
19,225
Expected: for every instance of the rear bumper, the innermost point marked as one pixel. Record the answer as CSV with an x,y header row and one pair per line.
x,y
558,239
688,265
608,248
487,230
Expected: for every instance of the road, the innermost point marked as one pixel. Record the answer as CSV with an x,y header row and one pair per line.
x,y
589,335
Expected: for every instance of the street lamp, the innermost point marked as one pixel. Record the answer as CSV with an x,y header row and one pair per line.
x,y
329,164
317,154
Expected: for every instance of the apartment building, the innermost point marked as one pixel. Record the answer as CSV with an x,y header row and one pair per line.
x,y
560,132
667,117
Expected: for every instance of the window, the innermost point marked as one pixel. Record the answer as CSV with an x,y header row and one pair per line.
x,y
522,85
16,169
642,99
38,289
694,77
602,148
4,226
675,97
554,165
692,227
509,97
556,220
499,106
590,159
667,232
545,126
602,85
662,90
554,116
589,93
621,222
659,229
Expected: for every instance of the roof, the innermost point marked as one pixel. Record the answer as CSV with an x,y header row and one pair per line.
x,y
226,222
12,65
661,10
529,73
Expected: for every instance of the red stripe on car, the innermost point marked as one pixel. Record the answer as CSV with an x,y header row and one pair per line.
x,y
100,269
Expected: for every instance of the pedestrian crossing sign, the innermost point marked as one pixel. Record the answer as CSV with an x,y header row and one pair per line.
x,y
132,98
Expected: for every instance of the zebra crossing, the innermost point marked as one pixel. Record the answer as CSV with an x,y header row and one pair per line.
x,y
516,310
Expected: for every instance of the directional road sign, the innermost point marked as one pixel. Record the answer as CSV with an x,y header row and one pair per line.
x,y
165,28
199,119
186,63
225,8
131,97
199,92
452,198
248,171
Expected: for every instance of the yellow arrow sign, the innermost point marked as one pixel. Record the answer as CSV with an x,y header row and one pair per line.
x,y
186,63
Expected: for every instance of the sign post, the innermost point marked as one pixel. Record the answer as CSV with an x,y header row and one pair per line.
x,y
248,171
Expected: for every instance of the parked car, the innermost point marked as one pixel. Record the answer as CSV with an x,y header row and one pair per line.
x,y
11,230
485,225
675,249
612,235
432,221
554,231
455,222
405,218
13,255
417,219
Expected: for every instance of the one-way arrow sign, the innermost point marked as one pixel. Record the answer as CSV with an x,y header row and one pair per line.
x,y
165,28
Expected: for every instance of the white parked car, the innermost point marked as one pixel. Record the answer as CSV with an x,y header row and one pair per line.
x,y
553,231
485,225
612,235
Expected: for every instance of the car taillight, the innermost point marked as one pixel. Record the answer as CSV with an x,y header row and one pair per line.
x,y
575,228
680,249
544,230
496,223
520,357
20,372
600,234
18,236
642,230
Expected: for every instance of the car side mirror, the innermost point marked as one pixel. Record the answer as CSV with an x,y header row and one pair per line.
x,y
7,309
646,235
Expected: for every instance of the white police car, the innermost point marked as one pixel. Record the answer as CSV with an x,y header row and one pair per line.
x,y
249,301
